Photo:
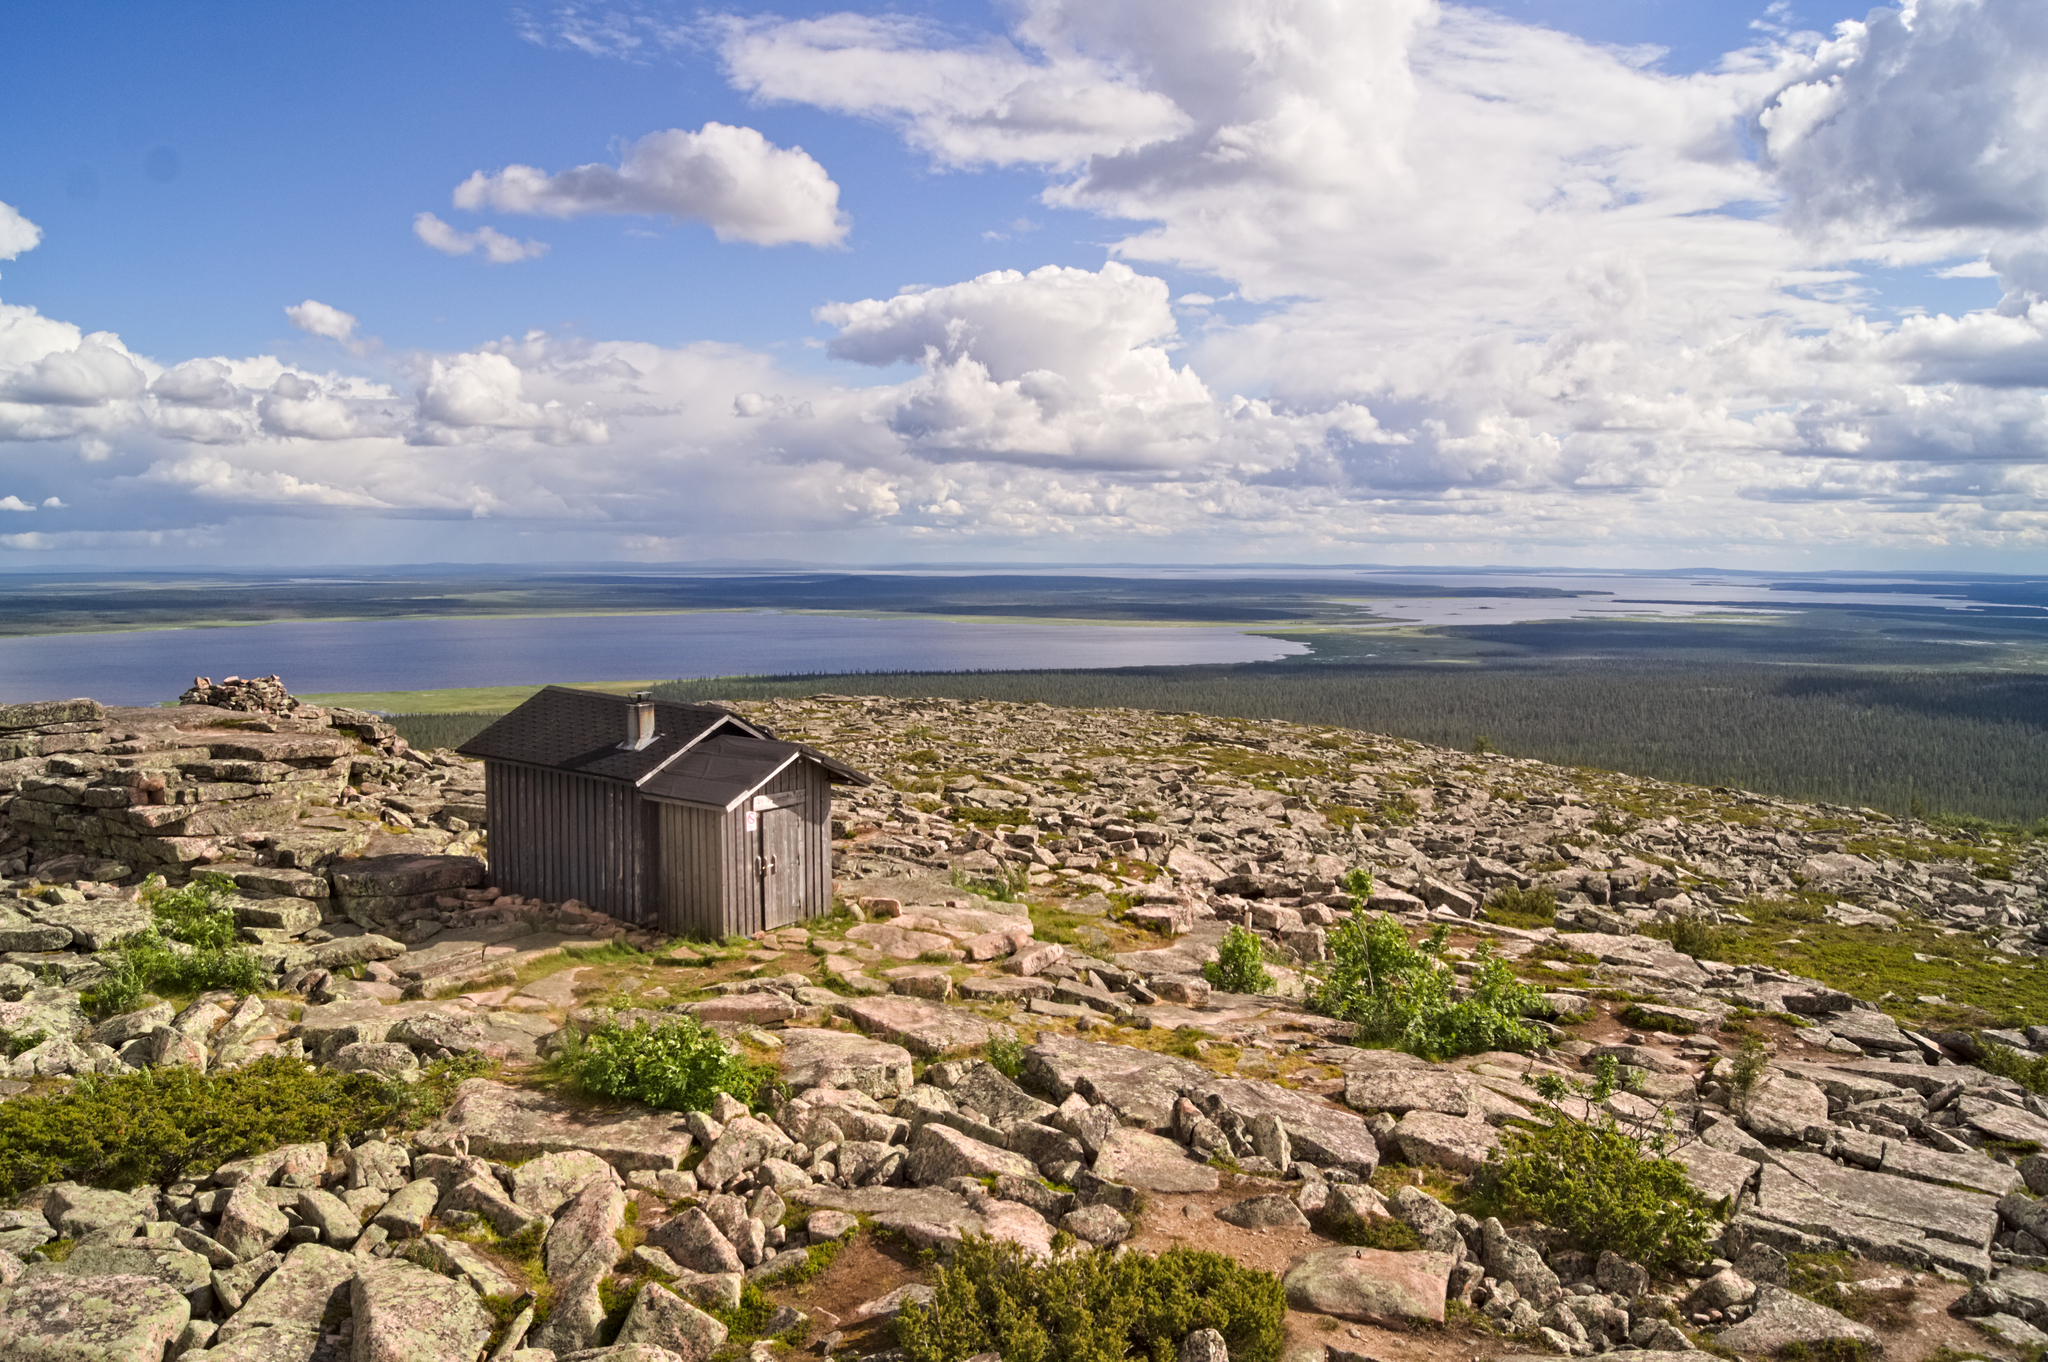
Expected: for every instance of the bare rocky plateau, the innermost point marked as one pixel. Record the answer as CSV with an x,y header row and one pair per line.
x,y
1056,877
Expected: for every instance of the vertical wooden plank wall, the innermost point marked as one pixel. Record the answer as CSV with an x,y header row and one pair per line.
x,y
557,836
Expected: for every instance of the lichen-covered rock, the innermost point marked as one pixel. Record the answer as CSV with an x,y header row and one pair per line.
x,y
378,1164
61,1318
939,1152
545,1184
308,1290
661,1319
404,1313
693,1240
250,1223
1271,1211
585,1233
1780,1319
1370,1285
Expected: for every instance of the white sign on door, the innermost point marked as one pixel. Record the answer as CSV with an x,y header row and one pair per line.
x,y
753,821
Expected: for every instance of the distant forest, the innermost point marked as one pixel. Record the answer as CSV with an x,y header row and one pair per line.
x,y
1959,742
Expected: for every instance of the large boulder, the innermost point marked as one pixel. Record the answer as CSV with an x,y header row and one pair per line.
x,y
250,1223
1508,1259
661,1319
1456,1143
694,1241
813,1058
1371,1286
513,1125
1781,1107
404,1313
308,1291
544,1184
924,1029
1152,1163
62,1318
939,1152
1780,1319
585,1233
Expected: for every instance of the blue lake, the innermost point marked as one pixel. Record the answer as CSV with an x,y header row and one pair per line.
x,y
151,665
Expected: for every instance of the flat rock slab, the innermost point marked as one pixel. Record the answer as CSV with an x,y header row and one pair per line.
x,y
309,1288
1059,1068
924,1029
1151,1163
928,1216
1781,1318
1430,1137
513,1125
62,1318
1877,1229
1714,1173
1371,1286
388,876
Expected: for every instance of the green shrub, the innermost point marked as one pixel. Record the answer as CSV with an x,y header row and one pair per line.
x,y
1092,1307
676,1066
1357,883
1518,907
158,1125
1601,1180
1240,964
1689,935
1399,993
1006,1053
2006,1062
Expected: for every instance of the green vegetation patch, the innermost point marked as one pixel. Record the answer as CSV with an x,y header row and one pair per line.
x,y
1604,1182
1092,1307
191,947
1398,993
1515,907
1240,963
160,1125
1980,985
674,1066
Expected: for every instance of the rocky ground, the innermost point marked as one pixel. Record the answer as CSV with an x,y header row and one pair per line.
x,y
1060,878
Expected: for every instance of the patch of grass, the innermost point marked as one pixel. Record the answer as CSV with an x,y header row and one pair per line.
x,y
1092,1307
1828,1350
2006,1062
990,819
1689,935
1381,1232
1635,1015
1516,907
1983,987
190,947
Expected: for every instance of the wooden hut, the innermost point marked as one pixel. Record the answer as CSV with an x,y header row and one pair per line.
x,y
683,818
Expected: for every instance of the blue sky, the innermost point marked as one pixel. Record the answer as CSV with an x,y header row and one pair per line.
x,y
1274,279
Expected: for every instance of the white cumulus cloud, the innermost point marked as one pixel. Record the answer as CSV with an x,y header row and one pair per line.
x,y
17,233
492,244
737,182
318,319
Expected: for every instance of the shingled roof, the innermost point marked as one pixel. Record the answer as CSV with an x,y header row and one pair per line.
x,y
567,729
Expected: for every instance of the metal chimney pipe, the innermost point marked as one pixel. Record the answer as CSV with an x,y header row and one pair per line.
x,y
639,720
